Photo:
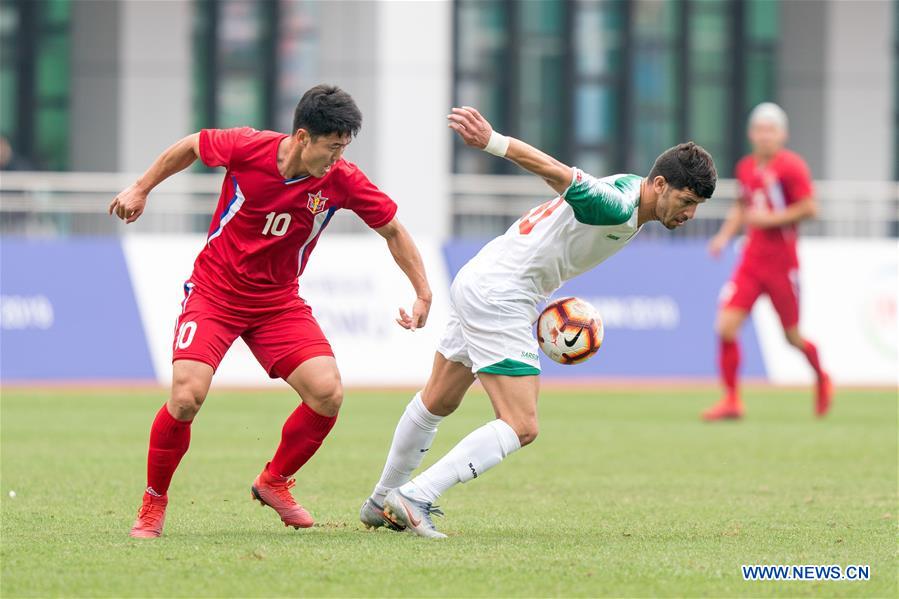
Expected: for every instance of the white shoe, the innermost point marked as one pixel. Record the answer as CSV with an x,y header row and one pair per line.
x,y
407,513
372,516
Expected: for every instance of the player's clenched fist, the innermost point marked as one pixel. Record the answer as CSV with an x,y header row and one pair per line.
x,y
129,204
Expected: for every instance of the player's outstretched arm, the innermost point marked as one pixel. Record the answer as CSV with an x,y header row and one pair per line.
x,y
794,213
130,203
729,228
476,132
407,257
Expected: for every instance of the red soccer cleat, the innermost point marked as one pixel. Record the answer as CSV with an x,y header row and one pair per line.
x,y
726,409
150,517
823,396
274,491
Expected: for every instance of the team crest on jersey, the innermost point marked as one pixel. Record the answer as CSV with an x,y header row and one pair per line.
x,y
316,202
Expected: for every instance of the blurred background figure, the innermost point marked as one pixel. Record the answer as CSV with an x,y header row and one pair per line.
x,y
775,195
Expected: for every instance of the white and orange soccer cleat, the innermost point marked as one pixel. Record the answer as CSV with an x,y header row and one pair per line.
x,y
274,491
372,516
150,517
408,513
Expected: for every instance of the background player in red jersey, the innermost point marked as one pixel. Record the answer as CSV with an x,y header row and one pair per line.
x,y
279,193
775,195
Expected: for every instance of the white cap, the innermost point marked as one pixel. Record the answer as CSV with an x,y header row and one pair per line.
x,y
769,112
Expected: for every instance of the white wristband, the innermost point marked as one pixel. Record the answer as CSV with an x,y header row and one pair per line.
x,y
498,144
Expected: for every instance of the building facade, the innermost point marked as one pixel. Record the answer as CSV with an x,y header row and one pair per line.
x,y
605,84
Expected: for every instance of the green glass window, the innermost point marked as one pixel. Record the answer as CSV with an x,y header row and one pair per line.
x,y
241,92
35,82
52,87
541,116
298,56
598,60
9,58
482,78
762,32
609,84
708,65
205,22
759,50
656,32
543,70
235,63
762,23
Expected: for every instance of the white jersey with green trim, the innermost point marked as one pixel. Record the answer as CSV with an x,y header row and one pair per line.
x,y
560,239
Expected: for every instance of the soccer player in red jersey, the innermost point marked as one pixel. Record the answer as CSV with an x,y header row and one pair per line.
x,y
775,195
278,195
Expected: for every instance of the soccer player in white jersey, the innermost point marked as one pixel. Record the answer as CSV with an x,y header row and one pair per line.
x,y
494,301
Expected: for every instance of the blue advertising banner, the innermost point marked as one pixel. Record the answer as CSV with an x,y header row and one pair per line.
x,y
658,301
67,312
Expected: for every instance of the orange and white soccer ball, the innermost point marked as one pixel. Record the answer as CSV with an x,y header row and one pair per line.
x,y
569,330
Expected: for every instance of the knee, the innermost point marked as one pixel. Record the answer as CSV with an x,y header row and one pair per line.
x,y
526,430
726,330
794,339
727,335
440,405
187,396
326,399
332,400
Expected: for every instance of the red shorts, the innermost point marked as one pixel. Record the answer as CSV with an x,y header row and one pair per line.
x,y
281,337
780,284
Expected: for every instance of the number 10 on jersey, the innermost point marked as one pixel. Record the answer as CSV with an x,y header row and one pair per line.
x,y
276,224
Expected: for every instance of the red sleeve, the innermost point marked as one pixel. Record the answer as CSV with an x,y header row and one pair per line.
x,y
217,145
365,199
796,179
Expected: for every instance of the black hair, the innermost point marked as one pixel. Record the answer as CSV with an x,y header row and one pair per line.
x,y
326,109
687,166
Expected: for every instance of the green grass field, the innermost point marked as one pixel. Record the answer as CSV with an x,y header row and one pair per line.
x,y
625,493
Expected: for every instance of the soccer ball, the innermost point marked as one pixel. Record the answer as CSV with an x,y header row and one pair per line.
x,y
569,330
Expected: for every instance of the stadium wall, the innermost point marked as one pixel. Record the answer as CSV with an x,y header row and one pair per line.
x,y
104,309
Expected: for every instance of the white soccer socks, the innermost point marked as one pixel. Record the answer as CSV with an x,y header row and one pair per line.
x,y
413,437
480,451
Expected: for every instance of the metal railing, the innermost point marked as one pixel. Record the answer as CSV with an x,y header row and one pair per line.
x,y
75,203
52,204
485,205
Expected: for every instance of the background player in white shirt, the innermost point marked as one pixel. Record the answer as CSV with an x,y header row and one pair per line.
x,y
494,301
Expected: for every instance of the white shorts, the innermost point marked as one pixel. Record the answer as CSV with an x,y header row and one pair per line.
x,y
489,331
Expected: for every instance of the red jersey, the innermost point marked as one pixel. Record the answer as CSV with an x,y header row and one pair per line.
x,y
265,227
784,180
